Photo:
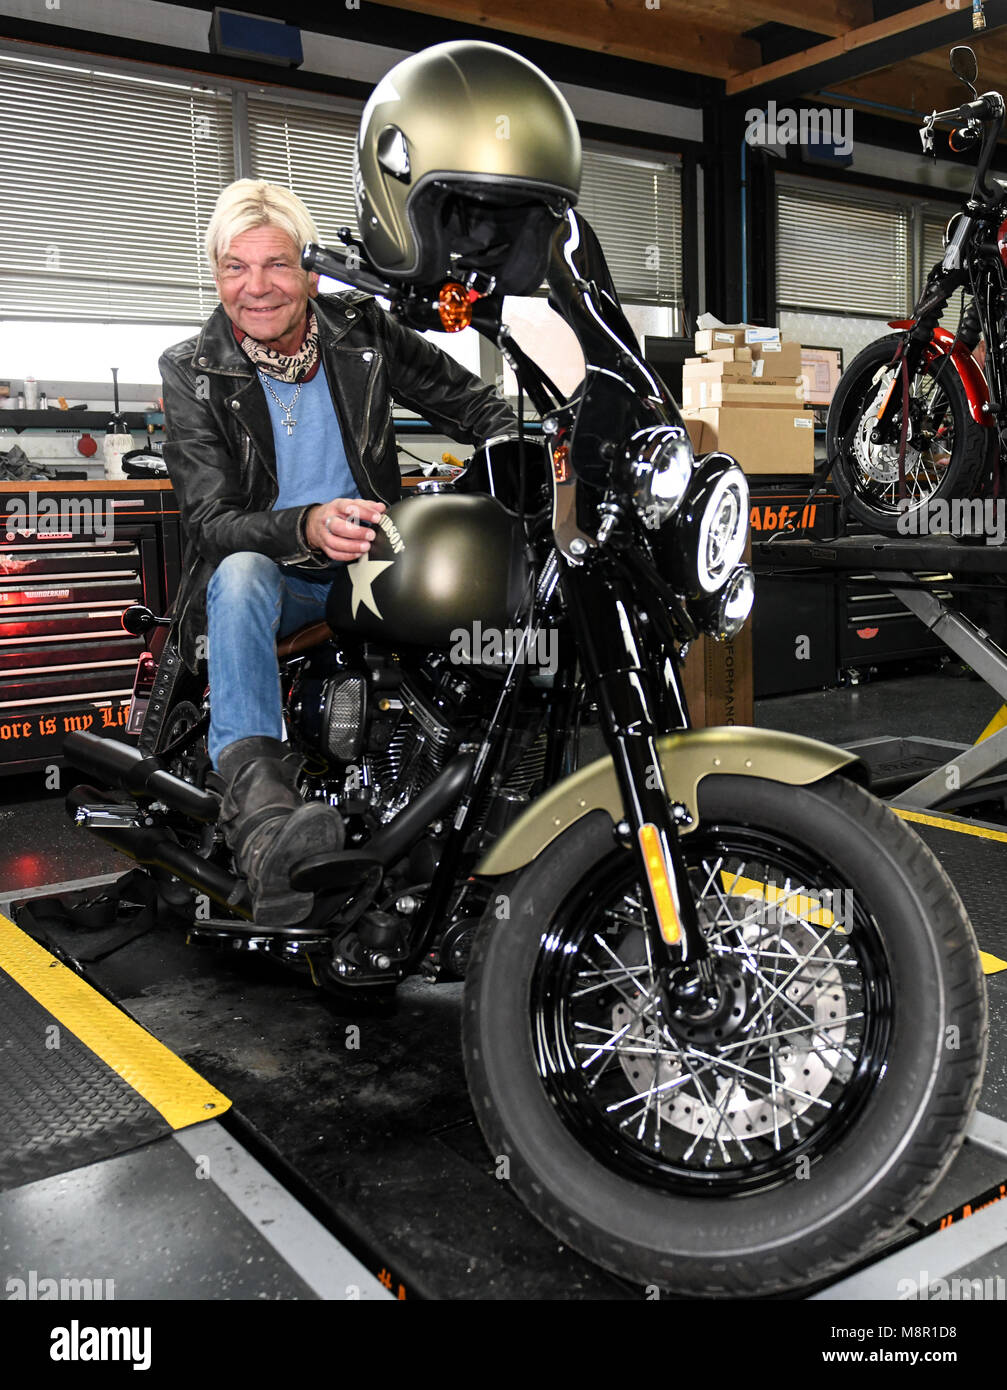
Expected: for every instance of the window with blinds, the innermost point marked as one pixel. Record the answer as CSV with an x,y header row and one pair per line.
x,y
635,206
932,251
109,181
841,250
310,151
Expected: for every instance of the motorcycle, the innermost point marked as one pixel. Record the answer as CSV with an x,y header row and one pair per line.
x,y
710,981
915,420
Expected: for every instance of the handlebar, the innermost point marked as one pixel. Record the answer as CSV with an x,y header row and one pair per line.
x,y
988,109
988,106
344,264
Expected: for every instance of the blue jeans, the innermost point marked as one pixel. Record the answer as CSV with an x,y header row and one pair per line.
x,y
250,602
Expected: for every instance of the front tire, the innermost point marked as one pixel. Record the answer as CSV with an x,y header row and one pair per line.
x,y
839,1135
947,454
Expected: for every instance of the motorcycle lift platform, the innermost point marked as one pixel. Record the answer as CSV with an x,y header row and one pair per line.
x,y
340,1157
920,773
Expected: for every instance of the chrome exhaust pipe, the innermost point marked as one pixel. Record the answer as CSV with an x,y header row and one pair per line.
x,y
127,769
156,849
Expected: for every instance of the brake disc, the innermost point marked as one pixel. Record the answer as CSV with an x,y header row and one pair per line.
x,y
723,1103
880,462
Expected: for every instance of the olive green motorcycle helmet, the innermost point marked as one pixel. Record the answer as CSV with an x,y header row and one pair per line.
x,y
467,156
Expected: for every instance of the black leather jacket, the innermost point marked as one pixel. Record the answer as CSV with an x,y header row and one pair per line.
x,y
219,447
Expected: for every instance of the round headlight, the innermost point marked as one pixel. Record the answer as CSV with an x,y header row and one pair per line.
x,y
697,553
724,614
723,529
660,468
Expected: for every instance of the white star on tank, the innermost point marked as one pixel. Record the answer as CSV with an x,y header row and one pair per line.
x,y
362,574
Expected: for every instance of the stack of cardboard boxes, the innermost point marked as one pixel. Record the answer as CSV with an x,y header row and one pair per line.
x,y
743,395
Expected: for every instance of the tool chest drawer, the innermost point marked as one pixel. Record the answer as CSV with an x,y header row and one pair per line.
x,y
66,663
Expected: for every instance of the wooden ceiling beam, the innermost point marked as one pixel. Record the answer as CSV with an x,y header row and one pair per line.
x,y
867,48
833,17
637,32
909,87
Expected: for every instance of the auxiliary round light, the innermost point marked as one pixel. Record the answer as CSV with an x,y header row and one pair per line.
x,y
735,604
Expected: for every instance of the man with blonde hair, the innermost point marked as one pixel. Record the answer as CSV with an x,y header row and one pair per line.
x,y
281,450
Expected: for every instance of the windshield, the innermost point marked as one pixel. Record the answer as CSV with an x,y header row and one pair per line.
x,y
620,393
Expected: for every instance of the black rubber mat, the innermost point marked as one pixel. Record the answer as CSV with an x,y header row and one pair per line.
x,y
978,869
60,1106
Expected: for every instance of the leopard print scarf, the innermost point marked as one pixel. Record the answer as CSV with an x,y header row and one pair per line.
x,y
291,367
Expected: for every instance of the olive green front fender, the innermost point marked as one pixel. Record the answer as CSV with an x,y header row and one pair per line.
x,y
686,758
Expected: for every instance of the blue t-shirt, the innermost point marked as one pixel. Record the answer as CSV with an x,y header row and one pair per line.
x,y
311,463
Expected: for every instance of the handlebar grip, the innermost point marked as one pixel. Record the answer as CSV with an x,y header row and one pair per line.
x,y
984,108
343,264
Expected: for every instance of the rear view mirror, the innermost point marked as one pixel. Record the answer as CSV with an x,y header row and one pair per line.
x,y
964,65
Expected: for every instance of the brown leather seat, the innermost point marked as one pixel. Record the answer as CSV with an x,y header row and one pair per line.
x,y
303,639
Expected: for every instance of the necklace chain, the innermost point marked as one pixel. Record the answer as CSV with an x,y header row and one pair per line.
x,y
288,418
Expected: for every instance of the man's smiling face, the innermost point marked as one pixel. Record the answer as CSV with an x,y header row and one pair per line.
x,y
263,289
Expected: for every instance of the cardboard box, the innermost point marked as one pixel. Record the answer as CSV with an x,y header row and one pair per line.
x,y
733,335
782,360
699,369
717,678
736,354
763,441
700,395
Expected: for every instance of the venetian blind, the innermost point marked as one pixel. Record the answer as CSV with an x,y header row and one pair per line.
x,y
309,150
840,250
932,251
635,206
109,182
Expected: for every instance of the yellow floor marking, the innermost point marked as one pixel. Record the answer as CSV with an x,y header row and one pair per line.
x,y
810,910
992,965
998,722
151,1069
940,823
797,904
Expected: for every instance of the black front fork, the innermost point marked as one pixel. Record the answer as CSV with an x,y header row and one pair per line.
x,y
606,620
927,315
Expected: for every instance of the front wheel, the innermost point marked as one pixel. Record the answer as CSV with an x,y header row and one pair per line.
x,y
767,1144
947,454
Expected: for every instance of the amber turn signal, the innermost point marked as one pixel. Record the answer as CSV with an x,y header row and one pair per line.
x,y
454,305
661,892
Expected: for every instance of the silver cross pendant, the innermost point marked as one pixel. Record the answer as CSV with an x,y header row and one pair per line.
x,y
290,422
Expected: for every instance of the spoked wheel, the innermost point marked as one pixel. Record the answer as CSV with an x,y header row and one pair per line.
x,y
761,1138
946,454
727,1094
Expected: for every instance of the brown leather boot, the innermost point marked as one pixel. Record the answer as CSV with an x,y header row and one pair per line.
x,y
269,828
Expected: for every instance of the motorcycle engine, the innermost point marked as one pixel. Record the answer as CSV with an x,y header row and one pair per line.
x,y
380,734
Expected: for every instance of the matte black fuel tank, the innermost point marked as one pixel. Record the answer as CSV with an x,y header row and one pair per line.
x,y
438,563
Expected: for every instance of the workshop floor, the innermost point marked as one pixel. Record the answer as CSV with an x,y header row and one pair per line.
x,y
380,1129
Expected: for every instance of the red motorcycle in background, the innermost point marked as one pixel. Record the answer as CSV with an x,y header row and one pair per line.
x,y
916,419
